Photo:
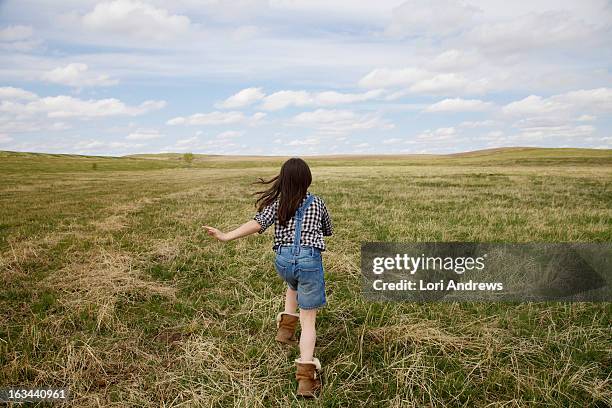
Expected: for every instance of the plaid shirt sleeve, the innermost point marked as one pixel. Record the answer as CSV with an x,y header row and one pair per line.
x,y
267,216
326,222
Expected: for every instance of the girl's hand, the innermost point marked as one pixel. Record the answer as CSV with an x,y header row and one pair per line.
x,y
213,232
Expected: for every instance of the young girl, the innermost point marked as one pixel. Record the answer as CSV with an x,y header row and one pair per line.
x,y
300,221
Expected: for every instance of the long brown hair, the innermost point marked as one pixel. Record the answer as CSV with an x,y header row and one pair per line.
x,y
290,187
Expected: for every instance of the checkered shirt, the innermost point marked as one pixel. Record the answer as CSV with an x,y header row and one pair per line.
x,y
316,224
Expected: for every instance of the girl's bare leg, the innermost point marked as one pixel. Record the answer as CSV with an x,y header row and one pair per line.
x,y
290,300
309,334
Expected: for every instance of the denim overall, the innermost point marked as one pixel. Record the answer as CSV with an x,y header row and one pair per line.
x,y
302,266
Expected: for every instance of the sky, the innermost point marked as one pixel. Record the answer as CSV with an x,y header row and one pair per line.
x,y
303,77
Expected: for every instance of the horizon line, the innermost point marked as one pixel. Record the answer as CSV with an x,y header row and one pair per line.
x,y
323,155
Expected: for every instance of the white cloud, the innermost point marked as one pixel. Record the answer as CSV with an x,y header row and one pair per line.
x,y
387,77
229,134
586,118
441,83
305,142
533,104
77,75
212,118
340,121
334,98
324,116
455,59
63,106
286,98
102,146
216,118
459,105
246,32
497,29
243,98
30,124
17,38
552,119
150,105
283,99
258,116
11,93
22,111
187,142
144,134
67,106
5,138
430,17
477,124
136,19
438,135
229,10
553,28
494,134
211,146
15,33
421,81
599,99
540,133
343,9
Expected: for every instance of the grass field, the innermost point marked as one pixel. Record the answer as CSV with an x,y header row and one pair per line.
x,y
111,287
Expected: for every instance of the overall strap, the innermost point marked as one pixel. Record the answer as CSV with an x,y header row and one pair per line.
x,y
299,217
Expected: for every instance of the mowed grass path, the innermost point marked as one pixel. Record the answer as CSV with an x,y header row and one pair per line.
x,y
110,286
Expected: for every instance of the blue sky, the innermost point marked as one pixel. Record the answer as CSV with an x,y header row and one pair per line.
x,y
301,77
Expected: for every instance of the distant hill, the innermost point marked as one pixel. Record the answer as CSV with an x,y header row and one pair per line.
x,y
535,151
16,162
503,151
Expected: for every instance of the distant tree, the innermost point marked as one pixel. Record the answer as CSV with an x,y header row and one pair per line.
x,y
188,158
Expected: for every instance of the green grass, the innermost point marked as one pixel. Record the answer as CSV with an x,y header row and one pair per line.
x,y
112,288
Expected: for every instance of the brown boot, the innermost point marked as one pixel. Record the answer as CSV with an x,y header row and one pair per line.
x,y
286,323
307,375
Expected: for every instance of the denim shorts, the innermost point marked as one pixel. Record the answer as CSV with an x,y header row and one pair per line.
x,y
303,273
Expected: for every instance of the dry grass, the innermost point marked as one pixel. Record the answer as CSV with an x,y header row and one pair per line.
x,y
99,281
113,290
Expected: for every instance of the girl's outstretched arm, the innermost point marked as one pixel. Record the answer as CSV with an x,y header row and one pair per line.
x,y
245,229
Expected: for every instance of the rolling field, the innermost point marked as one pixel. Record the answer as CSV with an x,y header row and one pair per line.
x,y
111,287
